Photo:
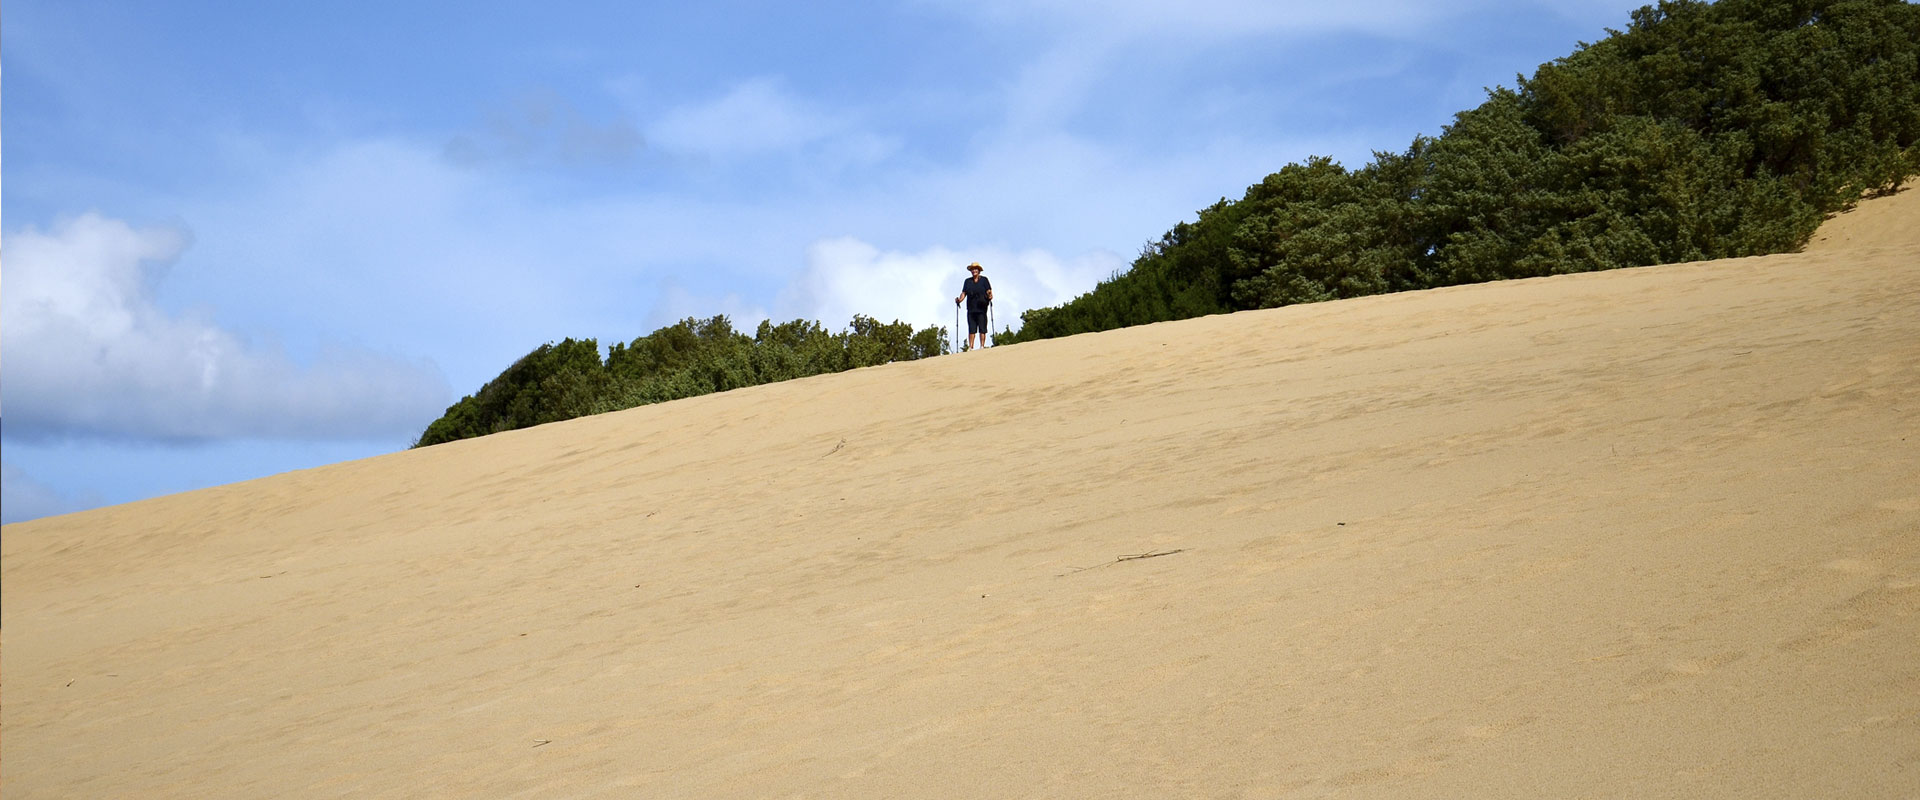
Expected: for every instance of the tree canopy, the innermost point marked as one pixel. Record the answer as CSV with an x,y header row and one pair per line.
x,y
689,358
1701,131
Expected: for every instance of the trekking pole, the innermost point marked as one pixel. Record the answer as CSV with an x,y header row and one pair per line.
x,y
956,326
990,339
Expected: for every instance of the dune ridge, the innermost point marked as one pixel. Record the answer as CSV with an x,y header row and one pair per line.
x,y
1650,532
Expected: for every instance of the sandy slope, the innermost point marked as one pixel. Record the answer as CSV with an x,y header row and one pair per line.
x,y
1646,533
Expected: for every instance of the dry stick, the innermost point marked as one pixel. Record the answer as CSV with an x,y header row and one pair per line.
x,y
789,470
1134,557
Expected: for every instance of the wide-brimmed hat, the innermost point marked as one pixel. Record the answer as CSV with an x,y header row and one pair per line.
x,y
975,267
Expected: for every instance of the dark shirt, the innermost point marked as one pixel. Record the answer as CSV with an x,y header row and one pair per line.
x,y
976,291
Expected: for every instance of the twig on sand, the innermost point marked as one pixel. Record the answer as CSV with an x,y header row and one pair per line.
x,y
836,448
538,742
1132,557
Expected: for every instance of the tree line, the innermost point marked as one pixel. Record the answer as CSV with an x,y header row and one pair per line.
x,y
689,358
1701,131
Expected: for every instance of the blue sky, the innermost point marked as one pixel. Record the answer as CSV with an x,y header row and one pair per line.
x,y
243,238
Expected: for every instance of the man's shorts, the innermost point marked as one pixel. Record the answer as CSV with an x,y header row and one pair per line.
x,y
976,322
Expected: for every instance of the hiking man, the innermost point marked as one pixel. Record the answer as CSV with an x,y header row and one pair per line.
x,y
978,292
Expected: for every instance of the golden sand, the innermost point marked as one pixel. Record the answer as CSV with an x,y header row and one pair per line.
x,y
1642,533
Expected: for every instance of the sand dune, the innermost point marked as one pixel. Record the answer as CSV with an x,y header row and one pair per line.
x,y
1644,533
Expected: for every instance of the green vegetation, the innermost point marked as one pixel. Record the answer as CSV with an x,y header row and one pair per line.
x,y
1702,131
692,357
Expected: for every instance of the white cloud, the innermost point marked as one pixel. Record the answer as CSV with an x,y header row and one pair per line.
x,y
88,353
754,117
758,117
847,276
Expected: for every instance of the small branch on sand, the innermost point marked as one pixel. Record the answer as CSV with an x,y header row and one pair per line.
x,y
538,742
1133,557
836,448
1138,556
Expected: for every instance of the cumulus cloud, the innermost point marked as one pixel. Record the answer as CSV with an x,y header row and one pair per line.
x,y
88,353
845,276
